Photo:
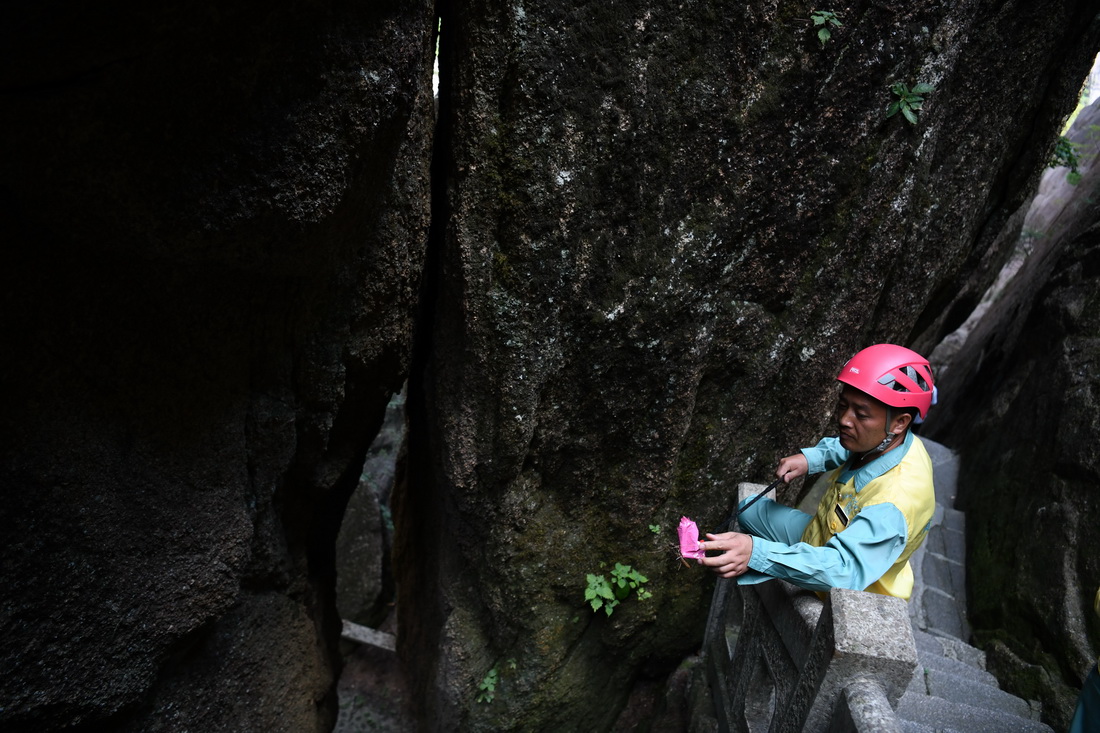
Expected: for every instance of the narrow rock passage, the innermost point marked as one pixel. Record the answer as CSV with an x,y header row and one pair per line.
x,y
951,689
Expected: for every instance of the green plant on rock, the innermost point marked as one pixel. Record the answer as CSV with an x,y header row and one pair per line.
x,y
909,101
488,687
1065,155
822,19
626,578
487,690
605,594
655,528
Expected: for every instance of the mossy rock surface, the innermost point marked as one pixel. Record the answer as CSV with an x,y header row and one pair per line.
x,y
668,226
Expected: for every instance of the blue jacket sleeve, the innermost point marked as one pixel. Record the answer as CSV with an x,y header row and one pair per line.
x,y
827,454
853,558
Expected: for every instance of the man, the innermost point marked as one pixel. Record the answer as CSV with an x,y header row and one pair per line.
x,y
879,499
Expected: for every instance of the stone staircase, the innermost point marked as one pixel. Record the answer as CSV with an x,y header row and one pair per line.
x,y
951,689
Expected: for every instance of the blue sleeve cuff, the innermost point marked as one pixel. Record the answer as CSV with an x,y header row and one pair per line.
x,y
827,454
758,560
815,461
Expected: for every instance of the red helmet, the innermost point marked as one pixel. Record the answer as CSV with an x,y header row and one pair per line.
x,y
891,374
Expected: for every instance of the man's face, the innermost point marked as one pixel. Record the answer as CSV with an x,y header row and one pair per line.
x,y
861,420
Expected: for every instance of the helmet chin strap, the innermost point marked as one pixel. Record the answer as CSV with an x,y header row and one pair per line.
x,y
885,443
889,436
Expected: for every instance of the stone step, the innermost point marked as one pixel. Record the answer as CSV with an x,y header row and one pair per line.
x,y
931,659
949,648
942,615
944,574
972,692
945,470
365,635
954,520
947,716
945,539
951,689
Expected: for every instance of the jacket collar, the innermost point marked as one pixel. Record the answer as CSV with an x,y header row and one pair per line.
x,y
878,466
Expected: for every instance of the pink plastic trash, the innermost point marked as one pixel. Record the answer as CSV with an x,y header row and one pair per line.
x,y
689,539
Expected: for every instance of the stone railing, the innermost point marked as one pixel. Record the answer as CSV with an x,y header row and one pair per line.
x,y
779,659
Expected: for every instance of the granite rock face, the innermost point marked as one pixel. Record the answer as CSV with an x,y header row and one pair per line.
x,y
647,234
1020,404
214,221
666,226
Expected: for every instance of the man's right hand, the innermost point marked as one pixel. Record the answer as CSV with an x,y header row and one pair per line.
x,y
792,467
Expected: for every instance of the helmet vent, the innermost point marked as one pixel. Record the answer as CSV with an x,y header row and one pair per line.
x,y
914,377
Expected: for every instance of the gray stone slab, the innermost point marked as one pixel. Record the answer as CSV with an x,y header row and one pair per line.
x,y
943,574
937,514
940,454
909,726
918,685
873,632
971,692
954,520
944,715
952,648
934,542
954,544
945,471
946,542
365,635
933,658
942,614
915,608
927,644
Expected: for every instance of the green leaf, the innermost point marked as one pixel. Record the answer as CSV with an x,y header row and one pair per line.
x,y
824,35
893,109
916,105
922,89
909,114
818,19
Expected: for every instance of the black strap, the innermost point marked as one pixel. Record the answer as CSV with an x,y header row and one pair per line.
x,y
725,526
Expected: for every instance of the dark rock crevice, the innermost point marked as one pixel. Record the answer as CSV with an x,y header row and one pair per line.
x,y
214,248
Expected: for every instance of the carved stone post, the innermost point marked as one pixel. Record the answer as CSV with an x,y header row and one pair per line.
x,y
872,639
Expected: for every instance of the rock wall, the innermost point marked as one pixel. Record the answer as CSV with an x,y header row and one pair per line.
x,y
1020,403
214,221
656,231
665,226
